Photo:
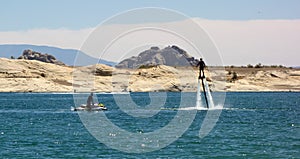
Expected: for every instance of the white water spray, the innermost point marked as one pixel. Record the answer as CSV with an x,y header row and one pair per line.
x,y
198,101
209,96
210,99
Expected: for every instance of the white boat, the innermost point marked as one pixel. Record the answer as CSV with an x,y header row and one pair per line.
x,y
95,107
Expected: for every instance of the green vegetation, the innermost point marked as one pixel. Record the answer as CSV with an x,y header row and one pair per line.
x,y
258,65
234,76
249,66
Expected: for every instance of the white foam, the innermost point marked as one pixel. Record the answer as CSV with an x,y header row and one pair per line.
x,y
198,99
217,107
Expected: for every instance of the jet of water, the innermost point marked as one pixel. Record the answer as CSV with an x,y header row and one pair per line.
x,y
210,99
198,99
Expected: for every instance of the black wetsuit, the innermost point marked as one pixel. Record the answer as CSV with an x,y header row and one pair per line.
x,y
201,68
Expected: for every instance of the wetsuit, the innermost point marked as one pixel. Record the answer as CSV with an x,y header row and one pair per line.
x,y
201,68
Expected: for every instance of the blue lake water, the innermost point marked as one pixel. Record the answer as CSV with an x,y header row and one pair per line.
x,y
252,125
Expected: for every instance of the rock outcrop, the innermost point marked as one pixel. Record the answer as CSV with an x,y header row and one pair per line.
x,y
33,55
170,56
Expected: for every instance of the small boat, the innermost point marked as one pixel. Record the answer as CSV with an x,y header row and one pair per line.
x,y
95,107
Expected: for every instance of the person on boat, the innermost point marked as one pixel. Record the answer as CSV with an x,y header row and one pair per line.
x,y
90,101
201,66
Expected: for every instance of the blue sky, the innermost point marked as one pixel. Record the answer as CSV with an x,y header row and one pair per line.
x,y
245,31
18,15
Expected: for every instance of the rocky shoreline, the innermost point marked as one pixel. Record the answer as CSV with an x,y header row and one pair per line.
x,y
20,75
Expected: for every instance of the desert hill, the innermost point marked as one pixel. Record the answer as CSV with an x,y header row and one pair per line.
x,y
21,75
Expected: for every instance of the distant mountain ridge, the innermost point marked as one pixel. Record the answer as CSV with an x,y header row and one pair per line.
x,y
170,56
66,56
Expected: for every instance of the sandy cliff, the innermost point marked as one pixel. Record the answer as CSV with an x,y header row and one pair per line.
x,y
34,76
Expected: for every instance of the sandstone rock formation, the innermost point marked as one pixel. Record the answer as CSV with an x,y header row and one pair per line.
x,y
170,56
33,55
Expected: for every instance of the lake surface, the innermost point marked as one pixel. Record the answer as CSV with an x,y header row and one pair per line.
x,y
251,125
